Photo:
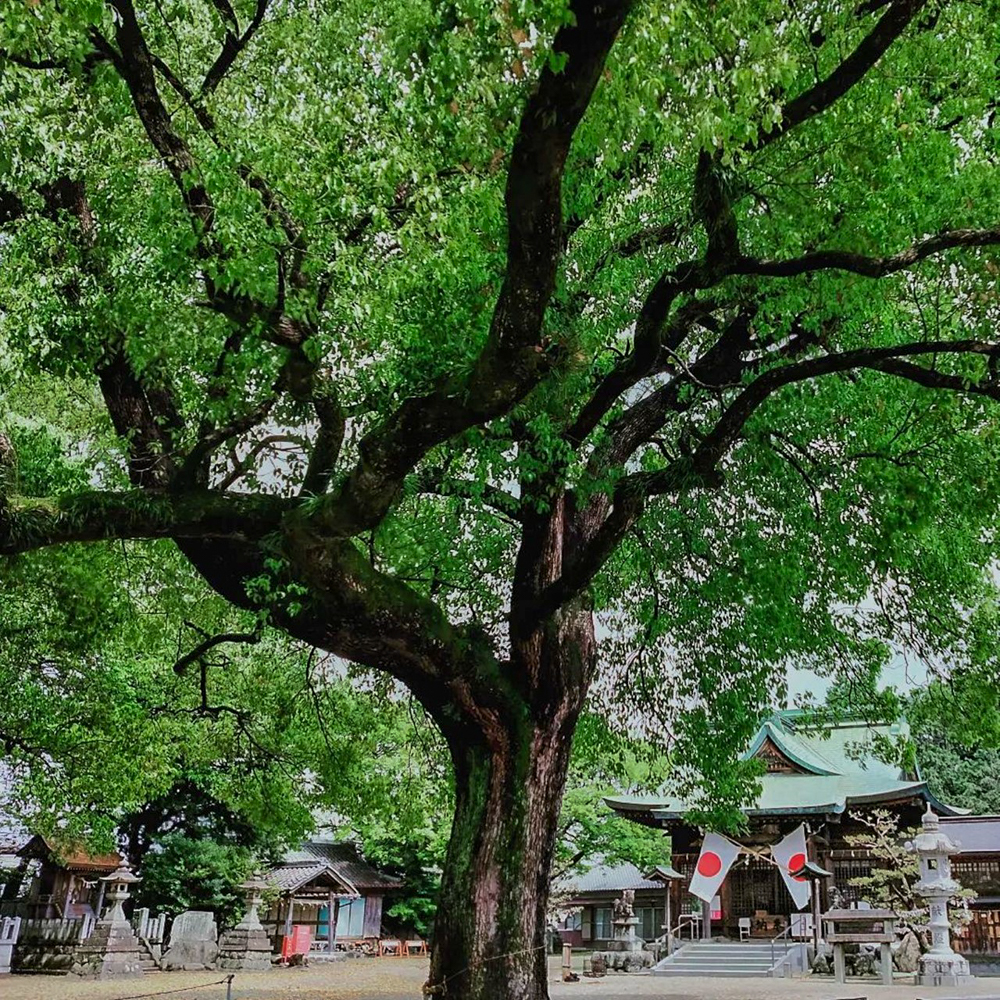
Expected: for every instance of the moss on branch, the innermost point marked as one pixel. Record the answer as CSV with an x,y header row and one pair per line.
x,y
28,523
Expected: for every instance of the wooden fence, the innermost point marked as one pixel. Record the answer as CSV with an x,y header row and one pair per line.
x,y
982,936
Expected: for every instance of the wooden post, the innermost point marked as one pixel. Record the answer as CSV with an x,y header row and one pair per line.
x,y
100,900
334,918
668,938
706,920
567,963
330,933
288,915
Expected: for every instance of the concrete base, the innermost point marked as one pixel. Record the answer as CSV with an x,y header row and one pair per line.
x,y
944,970
111,952
244,949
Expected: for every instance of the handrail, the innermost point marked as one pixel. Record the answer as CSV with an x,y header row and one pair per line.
x,y
690,919
774,940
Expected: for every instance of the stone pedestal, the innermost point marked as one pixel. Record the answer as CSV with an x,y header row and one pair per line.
x,y
627,952
111,952
944,970
244,948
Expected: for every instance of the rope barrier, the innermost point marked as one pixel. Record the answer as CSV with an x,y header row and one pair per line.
x,y
228,981
441,988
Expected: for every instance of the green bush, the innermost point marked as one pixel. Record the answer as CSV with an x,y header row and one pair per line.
x,y
181,873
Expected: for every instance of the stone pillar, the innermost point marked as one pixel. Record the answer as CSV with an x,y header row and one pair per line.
x,y
942,965
247,946
112,950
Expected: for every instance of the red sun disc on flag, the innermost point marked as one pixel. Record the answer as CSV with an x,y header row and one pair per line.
x,y
709,864
795,862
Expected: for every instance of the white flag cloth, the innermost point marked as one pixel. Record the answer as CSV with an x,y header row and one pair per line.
x,y
716,858
790,855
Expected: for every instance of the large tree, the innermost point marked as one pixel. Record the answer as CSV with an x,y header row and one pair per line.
x,y
429,330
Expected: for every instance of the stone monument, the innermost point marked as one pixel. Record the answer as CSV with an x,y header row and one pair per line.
x,y
247,946
941,965
193,942
112,950
626,952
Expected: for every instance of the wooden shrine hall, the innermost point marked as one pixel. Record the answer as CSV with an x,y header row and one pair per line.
x,y
818,778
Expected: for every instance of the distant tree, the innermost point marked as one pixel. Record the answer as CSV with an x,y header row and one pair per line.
x,y
956,727
182,873
186,809
606,763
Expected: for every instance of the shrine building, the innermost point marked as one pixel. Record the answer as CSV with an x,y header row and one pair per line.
x,y
822,779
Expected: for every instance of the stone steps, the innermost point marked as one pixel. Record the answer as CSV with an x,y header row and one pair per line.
x,y
721,960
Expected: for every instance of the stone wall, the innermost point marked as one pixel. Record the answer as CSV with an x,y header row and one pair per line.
x,y
984,965
49,945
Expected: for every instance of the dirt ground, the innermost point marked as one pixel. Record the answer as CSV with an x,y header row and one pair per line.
x,y
401,979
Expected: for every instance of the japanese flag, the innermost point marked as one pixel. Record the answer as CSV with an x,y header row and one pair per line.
x,y
790,855
716,858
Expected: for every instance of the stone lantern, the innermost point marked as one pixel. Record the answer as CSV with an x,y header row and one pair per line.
x,y
112,951
941,965
254,888
118,884
247,946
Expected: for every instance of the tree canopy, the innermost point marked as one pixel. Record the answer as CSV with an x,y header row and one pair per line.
x,y
431,330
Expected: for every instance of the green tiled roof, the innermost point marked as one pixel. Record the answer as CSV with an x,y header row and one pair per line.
x,y
837,772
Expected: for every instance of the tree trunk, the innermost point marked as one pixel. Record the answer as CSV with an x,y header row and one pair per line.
x,y
489,934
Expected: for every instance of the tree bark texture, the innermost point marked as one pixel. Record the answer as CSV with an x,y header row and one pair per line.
x,y
510,766
489,936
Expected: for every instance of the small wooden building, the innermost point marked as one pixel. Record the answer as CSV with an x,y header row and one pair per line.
x,y
977,866
62,881
325,885
594,893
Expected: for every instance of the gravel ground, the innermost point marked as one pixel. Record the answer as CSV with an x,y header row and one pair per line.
x,y
401,979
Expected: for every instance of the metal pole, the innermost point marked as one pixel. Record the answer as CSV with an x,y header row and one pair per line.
x,y
815,886
229,987
667,921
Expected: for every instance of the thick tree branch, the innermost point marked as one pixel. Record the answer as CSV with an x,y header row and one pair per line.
x,y
233,44
701,468
708,273
136,64
29,523
208,644
514,358
930,378
329,438
727,429
826,92
869,267
652,343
